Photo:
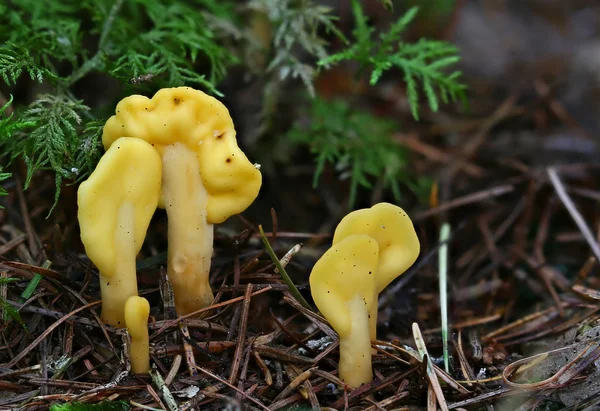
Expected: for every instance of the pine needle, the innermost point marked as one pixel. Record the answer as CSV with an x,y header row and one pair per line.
x,y
433,380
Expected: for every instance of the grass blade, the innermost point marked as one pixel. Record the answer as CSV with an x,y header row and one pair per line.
x,y
284,275
33,284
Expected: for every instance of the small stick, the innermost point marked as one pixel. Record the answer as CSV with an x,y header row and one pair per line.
x,y
166,324
155,396
188,349
163,389
233,387
237,357
575,214
285,260
46,332
263,367
173,371
144,407
467,199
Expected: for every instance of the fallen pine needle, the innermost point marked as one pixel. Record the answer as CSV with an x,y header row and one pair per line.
x,y
435,384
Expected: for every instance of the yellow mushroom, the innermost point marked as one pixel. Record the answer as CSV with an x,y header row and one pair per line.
x,y
398,243
342,284
116,204
206,177
137,310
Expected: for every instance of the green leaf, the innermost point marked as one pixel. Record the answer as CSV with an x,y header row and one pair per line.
x,y
9,310
101,406
12,312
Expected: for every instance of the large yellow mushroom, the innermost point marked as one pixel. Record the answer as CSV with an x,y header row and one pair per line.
x,y
398,243
116,205
342,284
206,177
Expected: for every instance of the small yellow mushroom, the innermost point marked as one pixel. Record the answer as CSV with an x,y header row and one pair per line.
x,y
342,284
206,178
116,204
398,243
137,310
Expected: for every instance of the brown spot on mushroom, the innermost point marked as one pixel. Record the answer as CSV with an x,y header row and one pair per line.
x,y
228,160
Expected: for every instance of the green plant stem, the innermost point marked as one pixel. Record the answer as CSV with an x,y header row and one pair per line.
x,y
443,272
284,275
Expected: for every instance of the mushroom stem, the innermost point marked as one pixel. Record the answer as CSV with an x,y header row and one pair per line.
x,y
373,312
190,235
117,287
137,310
355,348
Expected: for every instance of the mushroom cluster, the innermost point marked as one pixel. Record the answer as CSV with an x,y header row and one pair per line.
x,y
176,151
371,247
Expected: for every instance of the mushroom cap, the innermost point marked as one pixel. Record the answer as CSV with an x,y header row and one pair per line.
x,y
129,174
345,271
394,232
203,124
137,310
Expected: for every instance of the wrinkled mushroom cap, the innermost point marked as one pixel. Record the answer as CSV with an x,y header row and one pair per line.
x,y
129,174
394,232
204,125
137,310
346,270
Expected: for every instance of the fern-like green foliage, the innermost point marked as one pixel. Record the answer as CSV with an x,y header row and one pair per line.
x,y
358,144
147,43
8,127
178,36
51,135
297,24
52,47
423,63
14,60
